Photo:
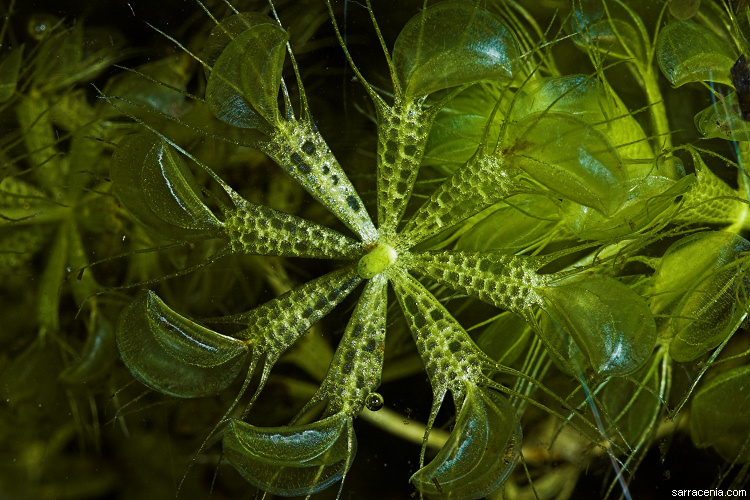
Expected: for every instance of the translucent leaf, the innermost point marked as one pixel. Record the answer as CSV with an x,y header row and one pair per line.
x,y
590,100
710,200
19,244
459,127
720,415
29,386
646,201
97,355
688,261
511,228
712,310
450,44
155,185
245,80
568,157
505,339
723,120
261,76
600,30
295,460
688,52
684,9
174,355
227,30
40,140
699,285
630,407
9,73
52,279
611,325
141,88
480,453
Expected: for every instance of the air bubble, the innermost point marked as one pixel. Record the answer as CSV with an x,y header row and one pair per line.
x,y
41,24
374,401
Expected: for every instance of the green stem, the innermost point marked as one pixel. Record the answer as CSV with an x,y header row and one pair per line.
x,y
658,110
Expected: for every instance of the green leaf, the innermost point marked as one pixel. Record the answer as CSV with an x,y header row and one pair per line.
x,y
29,386
590,100
710,200
155,184
505,339
261,76
451,359
512,228
97,356
48,301
172,354
688,52
701,286
245,80
299,149
260,230
450,44
9,68
608,35
482,450
723,120
630,407
291,461
226,31
571,158
40,140
649,198
459,127
712,310
611,325
720,415
140,87
684,9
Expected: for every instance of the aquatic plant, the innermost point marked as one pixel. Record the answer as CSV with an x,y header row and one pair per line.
x,y
538,239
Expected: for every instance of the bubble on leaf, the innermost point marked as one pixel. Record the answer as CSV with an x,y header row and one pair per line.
x,y
374,401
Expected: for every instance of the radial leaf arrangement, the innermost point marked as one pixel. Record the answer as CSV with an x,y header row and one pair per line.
x,y
547,194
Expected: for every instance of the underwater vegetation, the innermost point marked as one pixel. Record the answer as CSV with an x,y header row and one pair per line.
x,y
456,249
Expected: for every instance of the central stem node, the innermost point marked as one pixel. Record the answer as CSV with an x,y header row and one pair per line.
x,y
377,260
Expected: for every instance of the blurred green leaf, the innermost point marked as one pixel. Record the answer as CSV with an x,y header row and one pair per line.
x,y
720,415
9,68
154,183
